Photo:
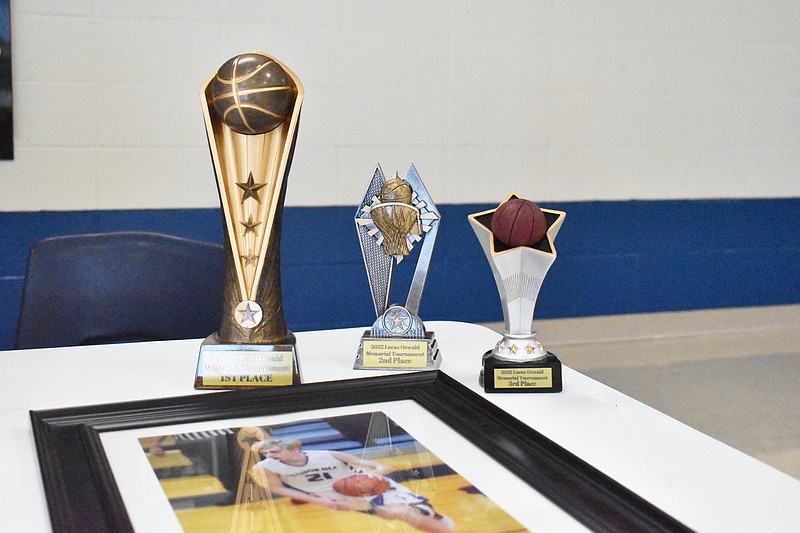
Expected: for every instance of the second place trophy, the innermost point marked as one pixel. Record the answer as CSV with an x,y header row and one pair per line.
x,y
251,107
394,216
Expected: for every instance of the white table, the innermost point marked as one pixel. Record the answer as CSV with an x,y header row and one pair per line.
x,y
702,482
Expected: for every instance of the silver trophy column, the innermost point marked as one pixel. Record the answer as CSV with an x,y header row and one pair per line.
x,y
389,225
518,273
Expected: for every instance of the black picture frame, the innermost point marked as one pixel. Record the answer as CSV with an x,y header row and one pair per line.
x,y
6,107
69,447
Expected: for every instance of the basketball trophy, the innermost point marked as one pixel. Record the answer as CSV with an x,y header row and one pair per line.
x,y
393,217
251,107
517,238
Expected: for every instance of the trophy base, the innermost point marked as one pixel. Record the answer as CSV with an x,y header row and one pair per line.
x,y
398,353
500,375
246,366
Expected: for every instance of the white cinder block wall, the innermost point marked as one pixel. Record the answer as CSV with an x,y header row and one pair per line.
x,y
557,99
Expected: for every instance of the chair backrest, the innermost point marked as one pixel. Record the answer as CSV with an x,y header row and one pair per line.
x,y
119,287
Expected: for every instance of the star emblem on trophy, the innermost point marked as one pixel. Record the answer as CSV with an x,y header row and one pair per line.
x,y
517,238
394,217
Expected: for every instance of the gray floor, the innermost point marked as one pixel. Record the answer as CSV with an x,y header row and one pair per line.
x,y
733,374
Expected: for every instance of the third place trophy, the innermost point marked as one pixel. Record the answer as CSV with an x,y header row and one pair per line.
x,y
394,216
518,240
251,107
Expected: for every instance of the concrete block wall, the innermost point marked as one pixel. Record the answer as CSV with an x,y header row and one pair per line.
x,y
560,100
690,109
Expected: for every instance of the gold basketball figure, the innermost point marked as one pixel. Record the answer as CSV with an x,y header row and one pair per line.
x,y
396,217
251,107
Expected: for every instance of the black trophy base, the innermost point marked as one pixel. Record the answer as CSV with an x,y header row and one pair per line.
x,y
500,375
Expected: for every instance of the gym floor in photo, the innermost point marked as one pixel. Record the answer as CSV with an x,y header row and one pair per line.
x,y
733,374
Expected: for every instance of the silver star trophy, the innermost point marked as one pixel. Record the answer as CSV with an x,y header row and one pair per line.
x,y
519,362
395,216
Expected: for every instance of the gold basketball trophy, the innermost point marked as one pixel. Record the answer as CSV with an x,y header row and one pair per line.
x,y
392,218
251,107
518,240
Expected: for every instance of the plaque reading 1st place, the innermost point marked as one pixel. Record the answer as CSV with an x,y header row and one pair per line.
x,y
246,368
393,353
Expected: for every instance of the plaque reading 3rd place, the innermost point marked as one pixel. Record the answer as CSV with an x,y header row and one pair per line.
x,y
393,353
523,378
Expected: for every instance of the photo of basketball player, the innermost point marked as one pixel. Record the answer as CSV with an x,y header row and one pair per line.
x,y
339,474
321,476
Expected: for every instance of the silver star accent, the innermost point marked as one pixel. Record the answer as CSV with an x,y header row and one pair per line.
x,y
248,314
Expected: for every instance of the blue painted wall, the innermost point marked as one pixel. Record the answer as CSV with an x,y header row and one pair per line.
x,y
613,258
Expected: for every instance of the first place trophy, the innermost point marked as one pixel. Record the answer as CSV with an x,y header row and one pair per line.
x,y
518,240
251,107
393,217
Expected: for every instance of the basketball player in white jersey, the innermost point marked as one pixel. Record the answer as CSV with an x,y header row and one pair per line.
x,y
309,476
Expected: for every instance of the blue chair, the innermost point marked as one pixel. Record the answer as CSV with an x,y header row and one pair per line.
x,y
119,287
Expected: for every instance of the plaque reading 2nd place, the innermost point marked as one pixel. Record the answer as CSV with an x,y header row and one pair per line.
x,y
394,353
523,378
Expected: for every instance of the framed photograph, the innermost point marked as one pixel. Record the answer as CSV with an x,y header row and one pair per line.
x,y
411,452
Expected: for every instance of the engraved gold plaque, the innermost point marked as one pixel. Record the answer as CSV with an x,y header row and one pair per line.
x,y
393,353
523,378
